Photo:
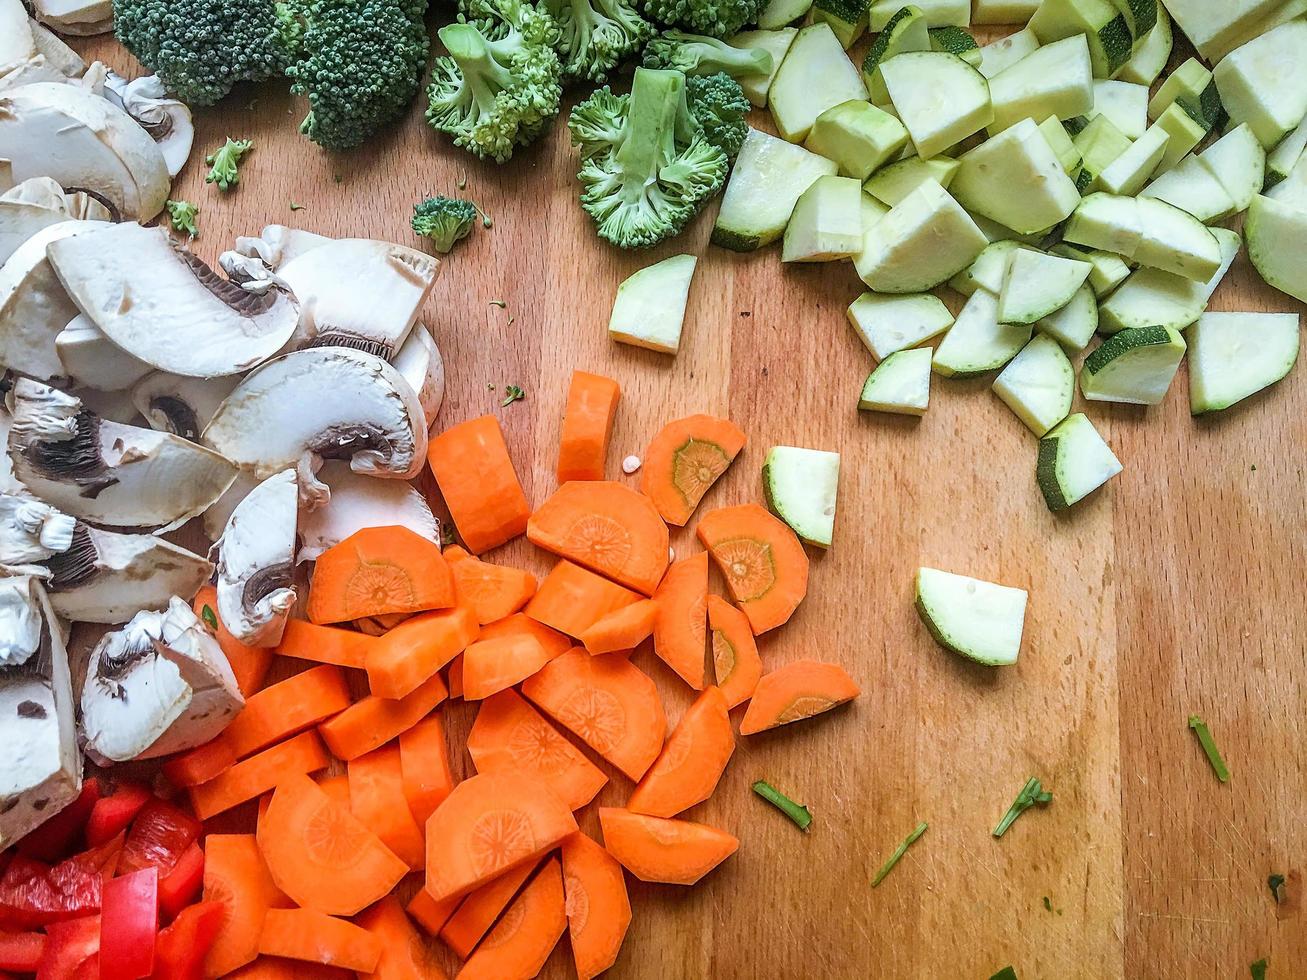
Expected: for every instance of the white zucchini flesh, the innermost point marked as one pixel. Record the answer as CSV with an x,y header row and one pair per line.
x,y
1152,297
1038,384
801,487
900,384
939,98
979,620
978,342
1073,326
887,324
1073,462
1037,284
649,310
1134,366
1235,355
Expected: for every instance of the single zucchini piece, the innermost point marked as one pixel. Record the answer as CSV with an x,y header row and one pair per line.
x,y
1276,232
847,18
765,184
1186,132
1100,23
1007,51
1281,161
815,75
1191,186
1002,11
1073,325
1109,269
1107,222
1073,462
872,211
1134,366
1175,241
1292,191
1038,384
1263,83
900,384
975,619
1150,297
1234,355
939,97
1125,103
1128,172
1210,24
859,137
888,324
988,271
1151,54
1286,11
1239,163
939,13
978,342
1189,81
893,183
955,40
1054,80
778,13
994,232
907,30
1100,144
649,310
1140,15
1037,284
1063,147
925,240
1016,179
800,487
777,44
827,222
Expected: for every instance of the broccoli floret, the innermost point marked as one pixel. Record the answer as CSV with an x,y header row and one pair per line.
x,y
696,54
224,163
596,35
646,166
720,18
719,104
182,214
444,220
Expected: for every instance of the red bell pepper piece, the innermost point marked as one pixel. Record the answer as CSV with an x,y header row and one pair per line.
x,y
113,813
129,924
181,948
61,835
21,951
33,893
69,949
159,837
182,884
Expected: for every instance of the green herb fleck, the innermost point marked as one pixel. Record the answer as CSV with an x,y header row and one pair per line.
x,y
1007,973
446,535
514,393
1209,746
338,178
797,812
224,163
500,303
1276,884
490,386
511,319
1258,969
297,207
1253,467
1048,904
1030,794
899,851
182,215
209,616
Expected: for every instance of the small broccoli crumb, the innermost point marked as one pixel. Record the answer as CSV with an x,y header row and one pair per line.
x,y
182,215
513,393
298,207
224,163
445,220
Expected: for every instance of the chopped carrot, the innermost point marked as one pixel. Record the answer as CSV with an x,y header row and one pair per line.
x,y
587,426
734,653
676,852
691,763
455,676
236,878
571,599
681,621
684,460
479,910
335,786
200,764
321,855
606,527
509,734
522,940
287,707
490,666
518,624
276,968
796,691
607,702
414,651
490,824
424,766
370,723
475,474
325,644
493,591
598,907
428,913
376,797
765,565
248,664
404,955
624,629
314,937
376,571
258,774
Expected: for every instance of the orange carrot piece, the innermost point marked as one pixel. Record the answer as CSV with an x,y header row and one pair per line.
x,y
681,621
490,824
606,527
607,702
691,763
796,691
475,474
336,787
587,426
520,943
571,599
325,644
287,707
684,460
622,630
200,764
404,954
313,937
510,735
598,907
493,591
248,664
428,913
764,563
370,723
424,767
376,797
734,653
455,677
490,666
320,854
676,852
412,652
258,774
277,968
479,910
376,571
236,878
555,643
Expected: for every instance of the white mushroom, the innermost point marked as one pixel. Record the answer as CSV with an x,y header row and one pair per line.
x,y
110,406
8,482
168,121
20,620
56,52
77,17
359,501
219,513
36,204
92,359
278,244
31,531
6,175
35,69
16,42
256,551
180,405
164,306
420,363
104,472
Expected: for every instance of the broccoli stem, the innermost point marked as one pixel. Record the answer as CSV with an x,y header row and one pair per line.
x,y
657,104
485,77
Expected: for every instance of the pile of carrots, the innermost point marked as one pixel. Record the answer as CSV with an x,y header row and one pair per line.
x,y
313,891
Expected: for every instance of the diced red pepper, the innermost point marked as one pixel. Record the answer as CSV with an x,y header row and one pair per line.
x,y
115,812
129,924
159,836
61,835
69,949
21,951
33,893
182,884
181,948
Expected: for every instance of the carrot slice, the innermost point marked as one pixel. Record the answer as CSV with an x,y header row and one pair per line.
x,y
765,566
475,474
336,787
509,734
320,854
490,824
607,702
428,913
258,774
587,426
572,599
520,624
404,955
490,666
681,621
624,629
276,968
734,652
691,763
796,691
313,937
288,707
325,644
376,571
413,651
236,878
424,767
493,591
606,527
376,797
478,912
249,665
455,676
522,940
676,852
598,907
372,722
684,460
200,764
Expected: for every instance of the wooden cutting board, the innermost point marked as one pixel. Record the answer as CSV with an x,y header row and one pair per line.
x,y
1177,589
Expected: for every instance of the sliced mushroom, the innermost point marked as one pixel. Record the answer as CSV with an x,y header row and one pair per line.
x,y
164,306
35,69
77,17
31,531
216,517
180,405
104,472
37,204
255,570
6,175
47,43
359,501
20,620
278,244
16,42
168,121
8,482
111,406
92,359
420,363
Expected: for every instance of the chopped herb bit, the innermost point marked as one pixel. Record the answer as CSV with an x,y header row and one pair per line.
x,y
1254,467
510,321
209,616
1258,969
182,214
338,178
1209,746
462,181
224,163
490,386
1048,904
1030,794
514,393
297,207
797,812
899,851
1276,884
446,535
500,303
1007,973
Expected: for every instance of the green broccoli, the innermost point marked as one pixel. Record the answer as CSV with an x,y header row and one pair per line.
x,y
646,166
182,214
224,163
720,18
444,220
696,54
597,35
719,104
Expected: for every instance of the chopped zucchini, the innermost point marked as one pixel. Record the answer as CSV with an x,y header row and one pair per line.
x,y
1055,80
815,75
939,13
893,183
827,222
939,97
1038,384
1293,189
1150,297
1002,11
978,342
775,43
1239,163
887,324
925,240
1074,461
1211,24
1016,179
1125,103
1037,284
859,137
1100,144
1128,172
975,619
1101,24
1109,269
1286,11
1193,187
1006,51
1185,133
900,384
649,310
1073,325
1263,83
1188,81
1235,355
778,13
1281,161
1276,232
1063,147
1134,366
800,487
847,18
994,232
1107,222
765,184
1151,54
1175,241
872,211
1140,15
906,31
988,271
955,40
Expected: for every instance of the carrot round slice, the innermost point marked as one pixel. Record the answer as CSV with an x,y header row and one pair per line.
x,y
424,767
237,879
571,599
376,571
622,630
490,666
796,691
519,624
734,653
404,956
491,823
493,591
598,907
249,665
376,797
684,460
320,854
479,910
587,425
282,709
413,651
676,852
472,467
691,763
607,702
311,936
606,527
765,566
681,621
522,940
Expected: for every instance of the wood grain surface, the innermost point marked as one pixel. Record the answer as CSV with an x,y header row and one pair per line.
x,y
1177,589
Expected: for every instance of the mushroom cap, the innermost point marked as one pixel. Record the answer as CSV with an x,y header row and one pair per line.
x,y
168,121
16,42
80,18
180,405
35,69
55,50
31,531
359,501
278,244
420,363
20,620
92,359
255,565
